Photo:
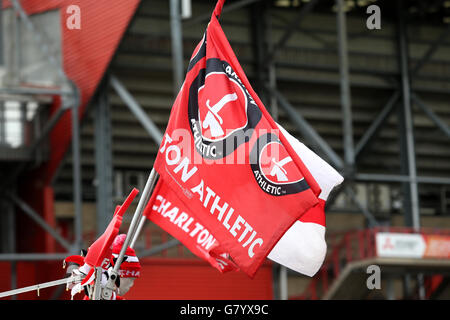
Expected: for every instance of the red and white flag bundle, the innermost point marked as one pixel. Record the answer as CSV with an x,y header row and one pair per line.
x,y
231,184
303,247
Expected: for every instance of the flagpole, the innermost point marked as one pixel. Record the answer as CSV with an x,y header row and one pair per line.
x,y
132,233
138,231
114,273
37,287
97,286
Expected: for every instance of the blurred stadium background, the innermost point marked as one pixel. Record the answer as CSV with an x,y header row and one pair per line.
x,y
81,111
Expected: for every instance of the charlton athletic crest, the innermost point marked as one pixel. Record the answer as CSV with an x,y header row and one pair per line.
x,y
274,170
222,114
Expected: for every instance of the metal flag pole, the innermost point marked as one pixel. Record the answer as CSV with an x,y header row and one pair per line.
x,y
138,231
37,287
114,273
96,294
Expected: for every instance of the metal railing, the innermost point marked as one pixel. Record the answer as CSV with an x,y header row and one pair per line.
x,y
355,245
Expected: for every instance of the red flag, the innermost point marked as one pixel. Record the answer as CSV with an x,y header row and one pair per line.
x,y
224,158
168,212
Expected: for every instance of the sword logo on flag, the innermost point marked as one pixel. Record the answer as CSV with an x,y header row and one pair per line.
x,y
274,169
213,120
278,171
